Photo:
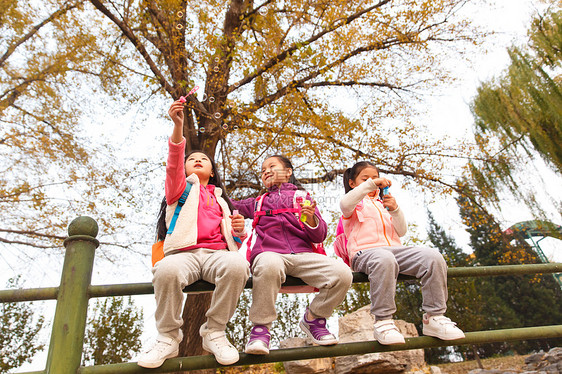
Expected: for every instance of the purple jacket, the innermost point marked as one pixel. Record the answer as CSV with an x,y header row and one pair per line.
x,y
281,233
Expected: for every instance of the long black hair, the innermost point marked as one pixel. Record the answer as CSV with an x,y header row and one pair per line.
x,y
287,163
352,173
215,180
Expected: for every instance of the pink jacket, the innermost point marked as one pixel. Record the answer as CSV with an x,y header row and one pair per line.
x,y
366,223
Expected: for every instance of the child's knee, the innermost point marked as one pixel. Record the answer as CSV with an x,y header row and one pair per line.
x,y
268,265
435,258
237,268
383,259
167,272
343,274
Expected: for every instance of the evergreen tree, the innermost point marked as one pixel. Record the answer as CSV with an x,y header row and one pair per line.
x,y
18,332
510,301
113,332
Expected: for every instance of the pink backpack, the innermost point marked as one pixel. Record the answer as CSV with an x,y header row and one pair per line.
x,y
340,244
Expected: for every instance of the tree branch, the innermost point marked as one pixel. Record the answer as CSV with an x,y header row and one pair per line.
x,y
35,29
301,82
288,52
137,43
32,233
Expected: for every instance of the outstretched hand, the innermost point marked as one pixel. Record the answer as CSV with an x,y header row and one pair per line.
x,y
176,113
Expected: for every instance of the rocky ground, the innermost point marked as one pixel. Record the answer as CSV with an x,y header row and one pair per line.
x,y
540,363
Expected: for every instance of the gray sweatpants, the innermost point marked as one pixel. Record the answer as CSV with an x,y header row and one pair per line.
x,y
270,269
383,264
227,270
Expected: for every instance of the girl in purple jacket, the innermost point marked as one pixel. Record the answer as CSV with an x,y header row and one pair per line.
x,y
283,244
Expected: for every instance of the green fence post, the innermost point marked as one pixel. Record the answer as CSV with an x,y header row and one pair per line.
x,y
67,337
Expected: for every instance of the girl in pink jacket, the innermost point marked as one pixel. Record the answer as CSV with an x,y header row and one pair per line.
x,y
373,225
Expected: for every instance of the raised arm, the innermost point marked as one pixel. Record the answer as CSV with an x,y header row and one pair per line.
x,y
175,168
354,197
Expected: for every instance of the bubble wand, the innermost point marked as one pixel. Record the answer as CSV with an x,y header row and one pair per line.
x,y
305,203
182,99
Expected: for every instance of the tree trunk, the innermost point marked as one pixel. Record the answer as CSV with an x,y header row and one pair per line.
x,y
477,357
196,305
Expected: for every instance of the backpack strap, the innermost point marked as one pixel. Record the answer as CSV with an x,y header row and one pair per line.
x,y
181,201
270,212
257,207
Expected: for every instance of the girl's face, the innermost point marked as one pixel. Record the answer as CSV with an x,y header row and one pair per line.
x,y
366,173
199,164
274,172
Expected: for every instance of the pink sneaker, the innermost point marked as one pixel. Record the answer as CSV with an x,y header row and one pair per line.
x,y
259,341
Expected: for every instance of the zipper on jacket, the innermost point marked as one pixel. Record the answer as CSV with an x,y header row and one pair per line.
x,y
284,231
382,221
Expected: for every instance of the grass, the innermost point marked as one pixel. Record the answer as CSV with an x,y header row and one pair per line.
x,y
506,362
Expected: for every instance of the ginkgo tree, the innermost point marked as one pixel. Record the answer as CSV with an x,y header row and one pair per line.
x,y
323,82
51,172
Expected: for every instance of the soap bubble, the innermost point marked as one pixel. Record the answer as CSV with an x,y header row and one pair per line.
x,y
180,14
204,97
217,115
217,60
225,127
235,127
211,99
202,129
179,26
216,69
262,11
236,84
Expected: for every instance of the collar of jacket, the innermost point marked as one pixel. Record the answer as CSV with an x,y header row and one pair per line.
x,y
283,187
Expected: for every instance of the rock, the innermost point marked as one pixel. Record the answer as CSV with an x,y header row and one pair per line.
x,y
314,366
533,361
541,362
358,326
434,370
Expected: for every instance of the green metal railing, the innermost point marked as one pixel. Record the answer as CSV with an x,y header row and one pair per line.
x,y
66,345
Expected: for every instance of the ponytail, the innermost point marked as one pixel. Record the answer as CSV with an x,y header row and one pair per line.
x,y
352,173
346,179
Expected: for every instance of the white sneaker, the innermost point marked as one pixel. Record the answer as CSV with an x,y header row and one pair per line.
x,y
163,348
217,344
441,327
387,333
